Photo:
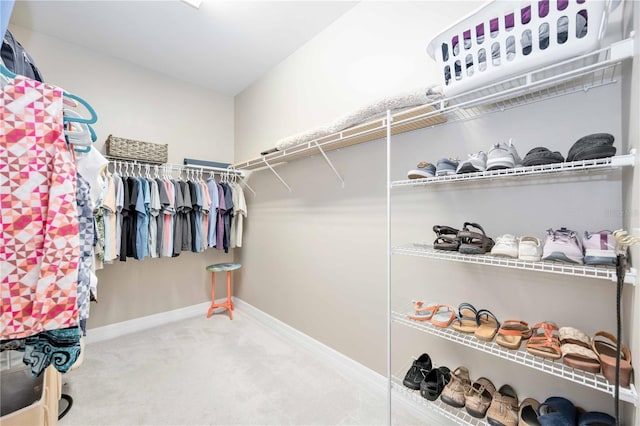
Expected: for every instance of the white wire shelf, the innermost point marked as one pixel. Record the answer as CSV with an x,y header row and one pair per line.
x,y
521,356
568,167
578,74
585,271
457,415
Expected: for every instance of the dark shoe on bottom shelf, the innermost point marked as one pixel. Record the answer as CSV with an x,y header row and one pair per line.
x,y
529,412
453,392
557,411
478,397
504,407
416,373
434,382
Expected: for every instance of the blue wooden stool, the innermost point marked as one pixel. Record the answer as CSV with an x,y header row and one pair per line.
x,y
221,267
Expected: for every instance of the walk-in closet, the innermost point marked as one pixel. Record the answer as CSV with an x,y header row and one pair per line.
x,y
310,212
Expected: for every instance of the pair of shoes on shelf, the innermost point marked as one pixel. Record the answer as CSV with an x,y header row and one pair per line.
x,y
422,170
557,410
439,315
481,398
565,245
500,156
444,167
523,248
482,323
429,380
465,241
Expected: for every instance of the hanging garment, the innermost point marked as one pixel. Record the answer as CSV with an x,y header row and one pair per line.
x,y
184,214
39,248
119,188
240,207
228,214
212,190
142,223
87,235
154,212
60,348
204,218
109,213
222,208
169,219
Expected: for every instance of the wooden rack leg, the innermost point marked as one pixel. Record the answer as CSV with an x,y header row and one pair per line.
x,y
213,294
228,304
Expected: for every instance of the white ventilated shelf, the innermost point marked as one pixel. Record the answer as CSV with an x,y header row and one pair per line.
x,y
521,356
585,271
457,415
578,74
568,167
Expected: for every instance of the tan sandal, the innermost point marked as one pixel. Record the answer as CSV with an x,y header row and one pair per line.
x,y
466,320
512,333
607,353
577,356
488,325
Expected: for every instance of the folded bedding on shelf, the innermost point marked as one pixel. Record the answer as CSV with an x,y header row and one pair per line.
x,y
371,111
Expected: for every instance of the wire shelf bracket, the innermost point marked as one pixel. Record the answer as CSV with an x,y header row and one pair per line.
x,y
329,162
264,160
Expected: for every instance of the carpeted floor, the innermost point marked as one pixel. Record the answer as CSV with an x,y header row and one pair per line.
x,y
216,371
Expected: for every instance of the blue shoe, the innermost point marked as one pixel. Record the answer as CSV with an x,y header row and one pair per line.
x,y
423,170
446,166
557,411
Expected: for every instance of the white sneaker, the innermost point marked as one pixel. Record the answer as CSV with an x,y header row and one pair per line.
x,y
475,163
503,156
530,248
506,246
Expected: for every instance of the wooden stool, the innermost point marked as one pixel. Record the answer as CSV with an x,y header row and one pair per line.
x,y
221,267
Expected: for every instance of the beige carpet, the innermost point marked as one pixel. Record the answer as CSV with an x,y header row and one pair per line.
x,y
216,371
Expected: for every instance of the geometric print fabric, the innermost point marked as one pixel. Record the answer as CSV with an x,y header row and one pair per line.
x,y
39,247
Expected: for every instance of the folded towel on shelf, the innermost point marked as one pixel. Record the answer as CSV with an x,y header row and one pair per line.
x,y
366,113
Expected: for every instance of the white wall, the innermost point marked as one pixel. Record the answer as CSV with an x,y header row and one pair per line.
x,y
134,103
315,258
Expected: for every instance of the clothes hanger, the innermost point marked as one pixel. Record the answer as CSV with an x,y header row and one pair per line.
x,y
94,117
81,139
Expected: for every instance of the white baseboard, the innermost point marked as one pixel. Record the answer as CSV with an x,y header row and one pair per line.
x,y
374,380
111,331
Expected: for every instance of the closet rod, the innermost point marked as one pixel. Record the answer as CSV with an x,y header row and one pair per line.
x,y
229,171
178,167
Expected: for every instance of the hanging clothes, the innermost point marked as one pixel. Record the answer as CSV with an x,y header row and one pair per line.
x,y
39,276
228,214
87,236
240,209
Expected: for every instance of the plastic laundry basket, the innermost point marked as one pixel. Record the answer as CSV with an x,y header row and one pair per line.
x,y
504,38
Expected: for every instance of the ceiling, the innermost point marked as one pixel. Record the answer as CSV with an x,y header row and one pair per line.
x,y
224,45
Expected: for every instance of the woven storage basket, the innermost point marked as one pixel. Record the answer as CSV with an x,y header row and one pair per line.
x,y
136,150
504,38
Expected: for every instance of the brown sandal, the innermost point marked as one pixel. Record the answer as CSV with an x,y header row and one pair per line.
x,y
607,353
446,238
474,242
546,343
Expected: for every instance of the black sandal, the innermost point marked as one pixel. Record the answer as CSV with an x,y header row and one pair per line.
x,y
446,238
474,242
434,382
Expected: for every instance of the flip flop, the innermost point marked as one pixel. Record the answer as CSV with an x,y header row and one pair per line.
x,y
422,311
512,332
488,325
443,316
466,320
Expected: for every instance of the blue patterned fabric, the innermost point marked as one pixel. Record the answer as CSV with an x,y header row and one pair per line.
x,y
59,348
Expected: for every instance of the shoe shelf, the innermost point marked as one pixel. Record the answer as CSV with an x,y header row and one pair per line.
x,y
456,415
568,167
521,356
578,74
585,271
